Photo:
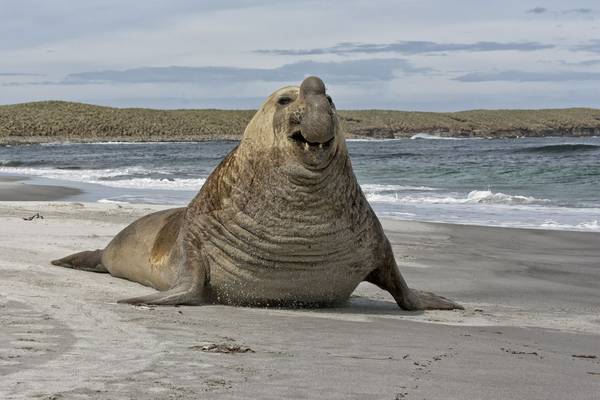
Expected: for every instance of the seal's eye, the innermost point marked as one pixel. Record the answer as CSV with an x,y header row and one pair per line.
x,y
285,100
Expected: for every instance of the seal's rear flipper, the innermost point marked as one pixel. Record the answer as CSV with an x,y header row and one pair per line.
x,y
172,297
85,261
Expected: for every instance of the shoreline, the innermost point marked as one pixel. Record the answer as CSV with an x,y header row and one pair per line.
x,y
531,315
15,187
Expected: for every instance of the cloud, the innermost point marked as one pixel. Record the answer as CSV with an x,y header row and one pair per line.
x,y
584,63
578,11
162,102
12,74
47,22
543,10
593,46
537,10
30,83
410,47
334,72
529,76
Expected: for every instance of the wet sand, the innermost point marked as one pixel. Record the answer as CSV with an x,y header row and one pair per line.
x,y
15,188
530,330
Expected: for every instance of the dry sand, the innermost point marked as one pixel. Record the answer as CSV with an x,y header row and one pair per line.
x,y
531,297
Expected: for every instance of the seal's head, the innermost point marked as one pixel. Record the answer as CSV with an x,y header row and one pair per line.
x,y
301,123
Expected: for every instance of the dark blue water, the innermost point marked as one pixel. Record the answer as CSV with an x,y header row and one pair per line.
x,y
538,182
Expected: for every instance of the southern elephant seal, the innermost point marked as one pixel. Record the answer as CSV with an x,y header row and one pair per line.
x,y
281,221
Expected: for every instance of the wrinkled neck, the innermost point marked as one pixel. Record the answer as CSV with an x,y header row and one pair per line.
x,y
272,181
270,191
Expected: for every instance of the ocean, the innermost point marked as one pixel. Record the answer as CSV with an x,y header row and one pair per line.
x,y
551,183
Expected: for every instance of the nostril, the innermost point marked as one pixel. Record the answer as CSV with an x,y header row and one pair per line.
x,y
329,99
296,116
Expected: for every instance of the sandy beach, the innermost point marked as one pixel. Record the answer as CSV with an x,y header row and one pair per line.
x,y
530,328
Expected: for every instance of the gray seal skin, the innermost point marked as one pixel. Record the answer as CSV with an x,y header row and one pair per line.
x,y
281,221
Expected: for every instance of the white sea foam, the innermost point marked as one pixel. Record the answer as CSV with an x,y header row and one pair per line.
x,y
401,215
147,199
474,197
50,144
110,201
429,136
78,175
487,196
373,139
145,143
378,188
151,183
67,143
584,226
99,176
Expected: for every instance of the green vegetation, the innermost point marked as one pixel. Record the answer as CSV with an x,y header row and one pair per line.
x,y
50,121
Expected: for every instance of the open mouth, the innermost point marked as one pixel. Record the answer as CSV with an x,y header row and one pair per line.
x,y
302,142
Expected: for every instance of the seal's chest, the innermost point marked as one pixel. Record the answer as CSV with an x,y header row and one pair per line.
x,y
304,257
254,283
302,271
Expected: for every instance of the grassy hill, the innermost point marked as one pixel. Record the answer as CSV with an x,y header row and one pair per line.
x,y
49,121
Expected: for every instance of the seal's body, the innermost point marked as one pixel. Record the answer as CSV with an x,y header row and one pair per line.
x,y
281,221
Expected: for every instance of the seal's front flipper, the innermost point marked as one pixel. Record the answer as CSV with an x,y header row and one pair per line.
x,y
431,301
85,261
410,299
171,297
388,278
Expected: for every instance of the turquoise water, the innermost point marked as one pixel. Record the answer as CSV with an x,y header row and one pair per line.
x,y
537,182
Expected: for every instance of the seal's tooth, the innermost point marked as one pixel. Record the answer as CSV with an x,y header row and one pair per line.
x,y
320,145
305,146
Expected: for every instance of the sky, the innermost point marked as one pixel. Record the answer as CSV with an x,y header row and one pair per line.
x,y
405,54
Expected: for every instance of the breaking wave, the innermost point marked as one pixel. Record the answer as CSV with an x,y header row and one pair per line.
x,y
372,140
582,226
429,136
473,197
379,188
131,177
